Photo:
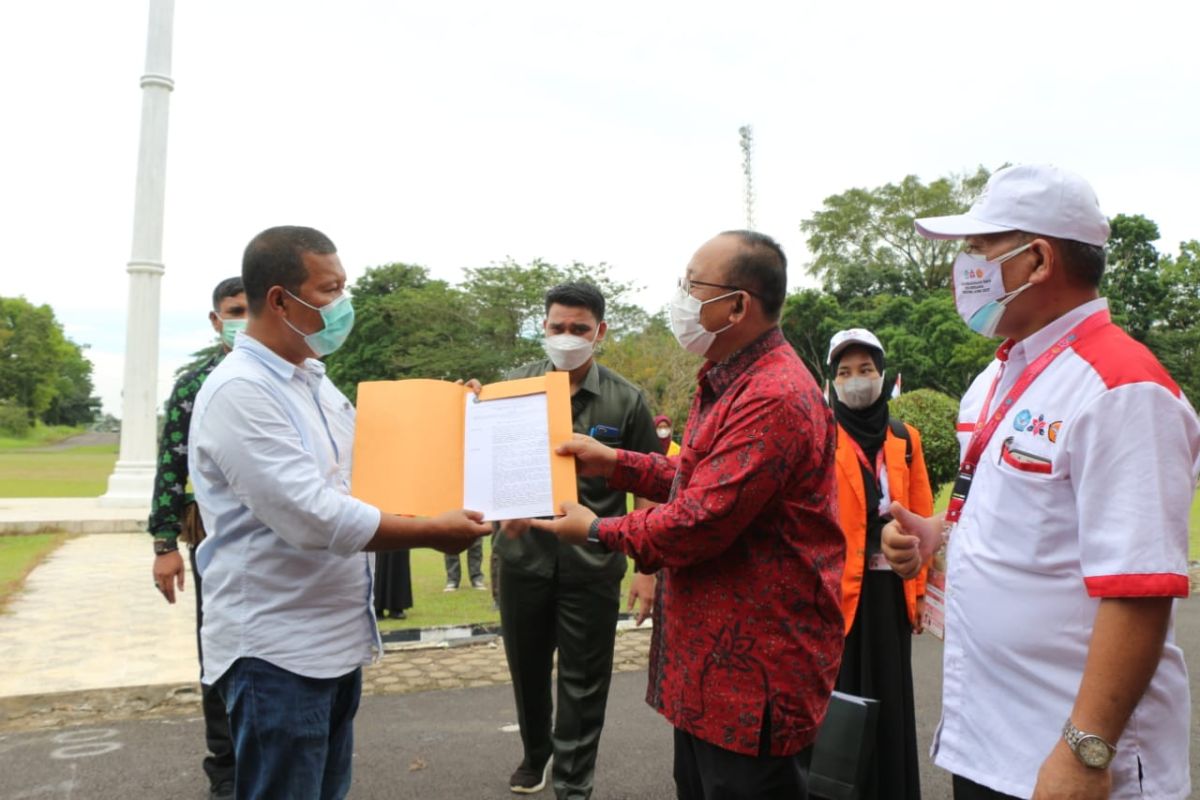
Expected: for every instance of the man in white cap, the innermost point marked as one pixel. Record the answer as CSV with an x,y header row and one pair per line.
x,y
1067,531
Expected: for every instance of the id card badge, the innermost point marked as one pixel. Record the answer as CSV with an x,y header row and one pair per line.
x,y
934,617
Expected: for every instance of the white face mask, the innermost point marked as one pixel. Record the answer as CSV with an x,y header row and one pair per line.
x,y
859,392
567,352
979,292
685,322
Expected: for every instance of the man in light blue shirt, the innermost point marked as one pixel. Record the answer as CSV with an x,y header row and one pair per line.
x,y
288,620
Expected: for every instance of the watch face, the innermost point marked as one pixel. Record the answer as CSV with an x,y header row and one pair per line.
x,y
1093,751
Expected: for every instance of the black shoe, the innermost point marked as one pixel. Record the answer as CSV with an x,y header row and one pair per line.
x,y
222,791
527,780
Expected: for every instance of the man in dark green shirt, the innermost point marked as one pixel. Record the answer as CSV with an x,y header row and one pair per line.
x,y
554,594
172,509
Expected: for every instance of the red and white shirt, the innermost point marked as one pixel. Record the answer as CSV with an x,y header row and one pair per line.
x,y
1082,493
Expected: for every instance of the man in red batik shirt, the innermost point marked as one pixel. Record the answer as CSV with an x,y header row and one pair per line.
x,y
748,630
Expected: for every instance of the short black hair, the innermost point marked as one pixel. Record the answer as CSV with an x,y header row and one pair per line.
x,y
230,287
761,269
577,294
275,258
1085,262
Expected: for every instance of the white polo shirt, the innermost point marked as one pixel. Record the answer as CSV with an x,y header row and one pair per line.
x,y
1082,493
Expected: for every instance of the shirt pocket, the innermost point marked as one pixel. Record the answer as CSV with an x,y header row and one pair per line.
x,y
1024,461
610,435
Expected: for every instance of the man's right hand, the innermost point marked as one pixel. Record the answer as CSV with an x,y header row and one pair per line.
x,y
455,531
169,574
909,540
592,459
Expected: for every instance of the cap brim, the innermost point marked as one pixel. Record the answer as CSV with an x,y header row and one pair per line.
x,y
837,351
956,226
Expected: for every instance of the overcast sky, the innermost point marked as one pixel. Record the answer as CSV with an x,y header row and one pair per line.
x,y
457,134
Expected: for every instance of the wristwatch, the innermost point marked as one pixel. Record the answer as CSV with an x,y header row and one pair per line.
x,y
164,545
1091,750
593,536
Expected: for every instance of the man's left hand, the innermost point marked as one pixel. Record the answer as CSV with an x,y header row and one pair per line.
x,y
572,527
641,592
1063,777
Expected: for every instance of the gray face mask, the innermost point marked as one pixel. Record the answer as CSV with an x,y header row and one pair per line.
x,y
860,392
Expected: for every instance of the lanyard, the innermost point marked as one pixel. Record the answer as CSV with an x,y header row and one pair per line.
x,y
879,473
986,425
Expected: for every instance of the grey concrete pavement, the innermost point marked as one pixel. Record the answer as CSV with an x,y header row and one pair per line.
x,y
90,617
455,743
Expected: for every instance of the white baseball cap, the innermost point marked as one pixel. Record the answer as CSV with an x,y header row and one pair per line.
x,y
1035,198
843,339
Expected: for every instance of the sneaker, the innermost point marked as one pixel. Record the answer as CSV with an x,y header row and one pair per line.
x,y
527,780
479,583
221,791
451,587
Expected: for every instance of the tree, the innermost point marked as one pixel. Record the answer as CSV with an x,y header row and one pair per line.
x,y
863,240
41,370
1136,291
935,415
1176,341
922,338
654,361
73,403
508,304
409,326
30,351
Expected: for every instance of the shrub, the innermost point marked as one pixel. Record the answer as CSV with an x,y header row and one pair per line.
x,y
935,415
14,419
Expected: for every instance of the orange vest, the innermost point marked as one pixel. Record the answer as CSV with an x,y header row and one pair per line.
x,y
908,483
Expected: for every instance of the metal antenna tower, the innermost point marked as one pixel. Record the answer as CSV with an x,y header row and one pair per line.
x,y
746,133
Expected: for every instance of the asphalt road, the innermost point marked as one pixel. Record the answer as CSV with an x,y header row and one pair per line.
x,y
451,744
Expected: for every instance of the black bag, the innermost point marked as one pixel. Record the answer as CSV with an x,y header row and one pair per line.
x,y
845,748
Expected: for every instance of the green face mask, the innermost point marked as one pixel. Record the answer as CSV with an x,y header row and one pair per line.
x,y
338,317
229,329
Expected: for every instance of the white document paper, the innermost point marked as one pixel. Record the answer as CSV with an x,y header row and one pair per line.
x,y
506,471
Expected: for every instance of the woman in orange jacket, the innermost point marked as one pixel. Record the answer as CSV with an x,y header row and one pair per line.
x,y
879,459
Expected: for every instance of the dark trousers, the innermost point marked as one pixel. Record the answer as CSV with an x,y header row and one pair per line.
x,y
474,564
704,771
538,615
218,764
969,790
294,736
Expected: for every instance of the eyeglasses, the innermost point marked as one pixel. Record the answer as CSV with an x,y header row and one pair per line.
x,y
686,285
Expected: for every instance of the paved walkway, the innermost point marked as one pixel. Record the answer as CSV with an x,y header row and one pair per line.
x,y
90,617
90,637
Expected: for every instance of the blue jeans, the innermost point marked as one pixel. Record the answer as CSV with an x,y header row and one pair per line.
x,y
293,736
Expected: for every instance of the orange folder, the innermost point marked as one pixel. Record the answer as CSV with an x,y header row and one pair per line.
x,y
409,441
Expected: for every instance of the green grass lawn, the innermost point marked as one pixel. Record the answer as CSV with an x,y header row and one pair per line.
x,y
77,472
19,555
433,607
40,436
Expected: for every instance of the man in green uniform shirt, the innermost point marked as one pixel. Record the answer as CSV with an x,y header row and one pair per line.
x,y
568,596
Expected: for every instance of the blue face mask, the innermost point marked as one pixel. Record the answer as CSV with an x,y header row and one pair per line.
x,y
229,330
338,317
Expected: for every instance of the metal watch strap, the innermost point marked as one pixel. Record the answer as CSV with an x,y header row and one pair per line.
x,y
593,536
1078,741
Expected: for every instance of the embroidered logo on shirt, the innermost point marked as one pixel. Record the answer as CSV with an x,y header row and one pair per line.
x,y
1025,422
